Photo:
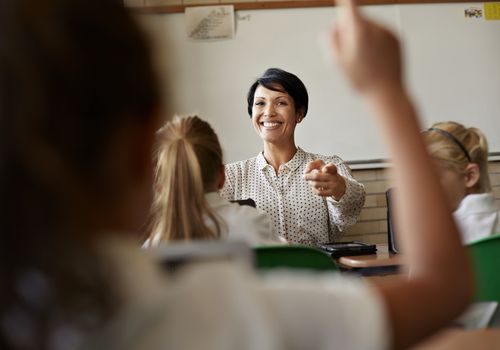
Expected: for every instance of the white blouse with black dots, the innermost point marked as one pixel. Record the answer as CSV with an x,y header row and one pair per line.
x,y
297,214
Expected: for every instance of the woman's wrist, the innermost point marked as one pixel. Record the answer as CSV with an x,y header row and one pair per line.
x,y
340,190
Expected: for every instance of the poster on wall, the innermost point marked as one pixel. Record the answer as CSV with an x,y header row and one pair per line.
x,y
210,22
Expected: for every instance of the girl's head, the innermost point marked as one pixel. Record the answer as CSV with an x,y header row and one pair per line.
x,y
65,103
461,156
78,105
188,165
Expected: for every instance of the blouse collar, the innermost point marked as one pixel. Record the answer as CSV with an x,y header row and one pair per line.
x,y
298,158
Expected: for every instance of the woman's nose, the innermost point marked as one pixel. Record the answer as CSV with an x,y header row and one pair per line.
x,y
269,111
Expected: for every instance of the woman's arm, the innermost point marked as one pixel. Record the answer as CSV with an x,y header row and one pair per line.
x,y
227,191
344,211
441,282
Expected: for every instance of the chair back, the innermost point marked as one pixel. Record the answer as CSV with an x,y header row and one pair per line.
x,y
292,257
391,234
249,201
177,254
485,256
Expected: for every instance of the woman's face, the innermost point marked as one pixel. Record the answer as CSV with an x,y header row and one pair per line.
x,y
274,116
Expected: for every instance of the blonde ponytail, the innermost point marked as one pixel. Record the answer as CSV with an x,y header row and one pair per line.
x,y
188,159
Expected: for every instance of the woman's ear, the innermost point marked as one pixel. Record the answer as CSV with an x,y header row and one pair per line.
x,y
472,175
300,115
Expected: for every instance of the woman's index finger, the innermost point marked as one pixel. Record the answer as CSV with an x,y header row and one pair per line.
x,y
315,164
330,168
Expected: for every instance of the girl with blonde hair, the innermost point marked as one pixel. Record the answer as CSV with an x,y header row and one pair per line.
x,y
189,172
461,156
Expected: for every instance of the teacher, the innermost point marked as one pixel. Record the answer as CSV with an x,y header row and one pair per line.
x,y
311,198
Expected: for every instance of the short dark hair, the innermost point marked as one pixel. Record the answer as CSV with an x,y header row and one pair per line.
x,y
289,82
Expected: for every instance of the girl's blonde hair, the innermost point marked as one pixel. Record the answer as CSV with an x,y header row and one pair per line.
x,y
188,161
449,153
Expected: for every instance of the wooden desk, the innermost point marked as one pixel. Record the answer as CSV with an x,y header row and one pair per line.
x,y
459,339
381,261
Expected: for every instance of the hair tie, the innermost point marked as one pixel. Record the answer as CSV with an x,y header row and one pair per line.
x,y
454,139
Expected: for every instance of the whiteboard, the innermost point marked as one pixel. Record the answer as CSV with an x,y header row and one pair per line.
x,y
453,71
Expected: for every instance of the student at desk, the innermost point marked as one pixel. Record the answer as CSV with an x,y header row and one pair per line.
x,y
186,206
77,129
461,157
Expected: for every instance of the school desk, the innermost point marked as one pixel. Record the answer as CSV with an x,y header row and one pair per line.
x,y
381,263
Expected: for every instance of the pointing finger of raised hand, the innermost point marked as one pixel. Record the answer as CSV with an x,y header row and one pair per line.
x,y
345,34
348,11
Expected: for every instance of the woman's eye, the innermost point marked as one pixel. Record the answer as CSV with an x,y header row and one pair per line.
x,y
282,103
259,103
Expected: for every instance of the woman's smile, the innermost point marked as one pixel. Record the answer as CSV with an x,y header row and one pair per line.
x,y
271,125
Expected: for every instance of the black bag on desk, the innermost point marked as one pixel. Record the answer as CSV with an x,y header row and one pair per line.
x,y
339,249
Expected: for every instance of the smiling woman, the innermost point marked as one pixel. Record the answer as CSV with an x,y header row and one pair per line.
x,y
311,198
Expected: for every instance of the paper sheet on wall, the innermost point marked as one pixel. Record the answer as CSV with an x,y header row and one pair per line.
x,y
210,22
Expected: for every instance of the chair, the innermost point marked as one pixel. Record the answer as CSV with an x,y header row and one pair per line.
x,y
249,201
292,257
391,235
177,254
485,256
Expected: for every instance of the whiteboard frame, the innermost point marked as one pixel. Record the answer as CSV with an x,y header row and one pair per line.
x,y
266,5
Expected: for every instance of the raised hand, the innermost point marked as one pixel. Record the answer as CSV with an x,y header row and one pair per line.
x,y
368,53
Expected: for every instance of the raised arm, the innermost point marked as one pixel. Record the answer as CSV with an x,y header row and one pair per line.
x,y
441,284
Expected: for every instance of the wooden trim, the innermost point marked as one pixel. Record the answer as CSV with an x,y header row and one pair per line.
x,y
242,6
372,164
266,5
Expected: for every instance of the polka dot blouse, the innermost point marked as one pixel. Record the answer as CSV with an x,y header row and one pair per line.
x,y
297,214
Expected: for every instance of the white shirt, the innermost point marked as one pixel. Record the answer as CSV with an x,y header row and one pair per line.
x,y
237,222
224,306
241,222
297,214
477,217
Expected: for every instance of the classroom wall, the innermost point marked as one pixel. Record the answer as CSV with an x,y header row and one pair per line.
x,y
372,223
443,50
452,73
